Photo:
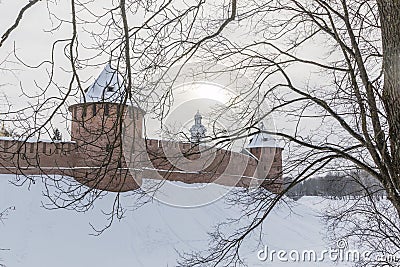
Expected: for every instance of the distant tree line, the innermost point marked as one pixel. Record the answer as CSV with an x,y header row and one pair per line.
x,y
337,186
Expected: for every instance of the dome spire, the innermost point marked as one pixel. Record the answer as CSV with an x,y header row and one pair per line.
x,y
197,131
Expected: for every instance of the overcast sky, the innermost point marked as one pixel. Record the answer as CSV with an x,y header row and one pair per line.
x,y
32,42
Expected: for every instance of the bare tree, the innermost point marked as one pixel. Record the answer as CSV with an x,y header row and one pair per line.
x,y
368,223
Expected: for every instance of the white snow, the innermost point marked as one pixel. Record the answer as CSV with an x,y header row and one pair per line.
x,y
33,140
108,87
262,139
149,236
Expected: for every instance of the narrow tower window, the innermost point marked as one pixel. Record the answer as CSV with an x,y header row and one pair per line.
x,y
74,111
106,110
94,110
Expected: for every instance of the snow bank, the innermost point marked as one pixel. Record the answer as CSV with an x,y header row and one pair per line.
x,y
149,236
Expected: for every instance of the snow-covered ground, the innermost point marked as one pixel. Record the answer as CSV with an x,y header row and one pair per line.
x,y
149,236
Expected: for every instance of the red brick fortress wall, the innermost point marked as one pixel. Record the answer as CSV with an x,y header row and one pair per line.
x,y
34,158
219,166
100,158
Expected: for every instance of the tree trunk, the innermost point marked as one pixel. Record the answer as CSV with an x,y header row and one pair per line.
x,y
389,12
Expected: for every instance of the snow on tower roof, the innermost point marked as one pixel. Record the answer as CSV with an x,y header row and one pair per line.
x,y
262,139
108,87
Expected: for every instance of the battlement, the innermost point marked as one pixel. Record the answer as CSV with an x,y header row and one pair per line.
x,y
107,150
32,146
35,157
169,160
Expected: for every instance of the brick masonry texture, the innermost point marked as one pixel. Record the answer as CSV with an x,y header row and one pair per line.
x,y
107,151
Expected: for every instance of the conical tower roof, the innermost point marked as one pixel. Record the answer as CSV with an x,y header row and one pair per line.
x,y
108,87
262,139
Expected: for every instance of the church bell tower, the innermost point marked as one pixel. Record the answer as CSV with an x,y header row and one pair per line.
x,y
197,131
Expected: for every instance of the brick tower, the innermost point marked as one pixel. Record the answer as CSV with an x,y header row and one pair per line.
x,y
269,155
104,124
